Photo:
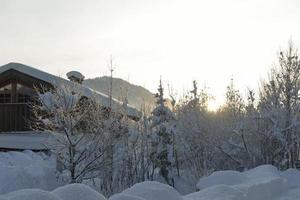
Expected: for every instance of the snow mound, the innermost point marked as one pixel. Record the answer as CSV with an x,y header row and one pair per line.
x,y
122,196
263,188
15,159
67,192
262,171
290,195
77,192
221,177
24,170
218,192
261,183
151,190
31,194
293,178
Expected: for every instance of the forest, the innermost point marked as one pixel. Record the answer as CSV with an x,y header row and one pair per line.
x,y
180,143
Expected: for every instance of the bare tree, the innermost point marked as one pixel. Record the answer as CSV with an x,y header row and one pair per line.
x,y
280,103
196,145
76,123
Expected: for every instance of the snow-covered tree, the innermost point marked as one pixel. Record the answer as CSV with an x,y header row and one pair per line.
x,y
76,123
266,132
196,143
229,119
280,105
163,130
234,104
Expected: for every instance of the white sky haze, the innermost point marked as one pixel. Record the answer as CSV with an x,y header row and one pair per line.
x,y
180,40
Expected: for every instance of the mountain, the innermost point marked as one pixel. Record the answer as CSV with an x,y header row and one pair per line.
x,y
137,96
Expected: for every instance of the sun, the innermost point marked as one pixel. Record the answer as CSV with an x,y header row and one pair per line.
x,y
213,105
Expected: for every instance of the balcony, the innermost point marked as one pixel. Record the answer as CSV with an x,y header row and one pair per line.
x,y
14,117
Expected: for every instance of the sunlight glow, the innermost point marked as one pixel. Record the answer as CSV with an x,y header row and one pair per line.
x,y
209,41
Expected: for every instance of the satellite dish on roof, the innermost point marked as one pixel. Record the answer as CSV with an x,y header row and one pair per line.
x,y
75,76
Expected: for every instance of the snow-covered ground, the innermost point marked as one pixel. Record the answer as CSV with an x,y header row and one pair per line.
x,y
20,170
261,183
31,176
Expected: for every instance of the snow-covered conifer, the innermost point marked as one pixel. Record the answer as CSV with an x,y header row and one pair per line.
x,y
163,130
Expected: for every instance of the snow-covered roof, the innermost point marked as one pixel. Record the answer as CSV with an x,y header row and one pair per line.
x,y
104,99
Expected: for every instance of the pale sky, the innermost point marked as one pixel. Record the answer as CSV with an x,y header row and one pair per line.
x,y
180,40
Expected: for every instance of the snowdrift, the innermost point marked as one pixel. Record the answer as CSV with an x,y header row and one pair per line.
x,y
151,190
261,183
218,192
142,191
21,170
31,194
68,192
77,192
122,196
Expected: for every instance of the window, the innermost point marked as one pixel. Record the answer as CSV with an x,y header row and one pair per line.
x,y
5,88
5,93
16,93
24,93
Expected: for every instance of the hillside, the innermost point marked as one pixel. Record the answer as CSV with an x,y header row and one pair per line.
x,y
137,96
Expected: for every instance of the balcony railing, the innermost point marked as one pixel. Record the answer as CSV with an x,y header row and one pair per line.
x,y
14,117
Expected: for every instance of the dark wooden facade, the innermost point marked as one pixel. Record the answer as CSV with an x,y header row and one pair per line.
x,y
17,90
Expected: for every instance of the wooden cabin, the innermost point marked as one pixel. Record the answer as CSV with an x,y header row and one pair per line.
x,y
17,90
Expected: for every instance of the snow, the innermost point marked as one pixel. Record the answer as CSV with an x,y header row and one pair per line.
x,y
261,183
291,195
151,190
25,140
217,192
55,80
77,192
68,192
33,72
122,196
31,194
184,184
75,74
293,178
20,170
31,176
221,177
